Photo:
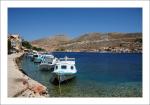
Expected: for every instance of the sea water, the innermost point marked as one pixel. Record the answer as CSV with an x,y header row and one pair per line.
x,y
99,75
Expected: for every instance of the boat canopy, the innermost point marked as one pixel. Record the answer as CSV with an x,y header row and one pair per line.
x,y
66,60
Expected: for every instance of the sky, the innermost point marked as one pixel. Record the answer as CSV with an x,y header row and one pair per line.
x,y
35,23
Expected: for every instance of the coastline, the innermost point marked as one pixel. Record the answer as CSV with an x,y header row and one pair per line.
x,y
19,84
99,52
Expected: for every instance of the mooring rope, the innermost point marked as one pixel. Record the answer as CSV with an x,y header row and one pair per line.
x,y
59,85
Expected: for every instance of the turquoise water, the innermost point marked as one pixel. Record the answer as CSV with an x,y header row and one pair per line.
x,y
99,75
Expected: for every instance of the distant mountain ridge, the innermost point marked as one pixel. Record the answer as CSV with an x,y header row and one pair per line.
x,y
92,42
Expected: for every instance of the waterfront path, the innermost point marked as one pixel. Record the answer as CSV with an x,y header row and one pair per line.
x,y
20,85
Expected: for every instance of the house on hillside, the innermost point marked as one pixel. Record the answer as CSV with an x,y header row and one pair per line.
x,y
15,42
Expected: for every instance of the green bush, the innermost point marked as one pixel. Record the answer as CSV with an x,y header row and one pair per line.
x,y
26,44
37,48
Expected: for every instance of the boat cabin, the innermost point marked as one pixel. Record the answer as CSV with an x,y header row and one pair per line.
x,y
65,64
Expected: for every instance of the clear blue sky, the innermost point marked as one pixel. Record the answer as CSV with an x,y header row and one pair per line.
x,y
34,23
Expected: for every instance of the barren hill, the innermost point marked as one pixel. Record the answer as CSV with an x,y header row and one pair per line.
x,y
88,37
93,42
51,43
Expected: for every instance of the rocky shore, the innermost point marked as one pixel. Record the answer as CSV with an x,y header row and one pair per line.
x,y
19,84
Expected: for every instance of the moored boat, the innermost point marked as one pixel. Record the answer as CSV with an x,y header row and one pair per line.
x,y
64,70
30,54
48,62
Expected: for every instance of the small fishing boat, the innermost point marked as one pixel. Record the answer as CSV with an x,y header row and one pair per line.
x,y
64,70
48,62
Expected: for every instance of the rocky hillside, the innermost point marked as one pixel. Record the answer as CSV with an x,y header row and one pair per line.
x,y
51,43
114,42
88,37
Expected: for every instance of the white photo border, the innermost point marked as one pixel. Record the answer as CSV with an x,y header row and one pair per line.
x,y
74,4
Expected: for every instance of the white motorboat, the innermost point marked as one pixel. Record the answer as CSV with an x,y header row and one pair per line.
x,y
48,62
65,69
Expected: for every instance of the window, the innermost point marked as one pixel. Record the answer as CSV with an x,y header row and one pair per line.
x,y
56,67
63,67
71,67
35,55
49,62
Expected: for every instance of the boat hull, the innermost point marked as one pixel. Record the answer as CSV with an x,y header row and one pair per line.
x,y
59,78
46,66
37,60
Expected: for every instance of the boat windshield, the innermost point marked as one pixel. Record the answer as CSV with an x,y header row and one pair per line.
x,y
47,60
